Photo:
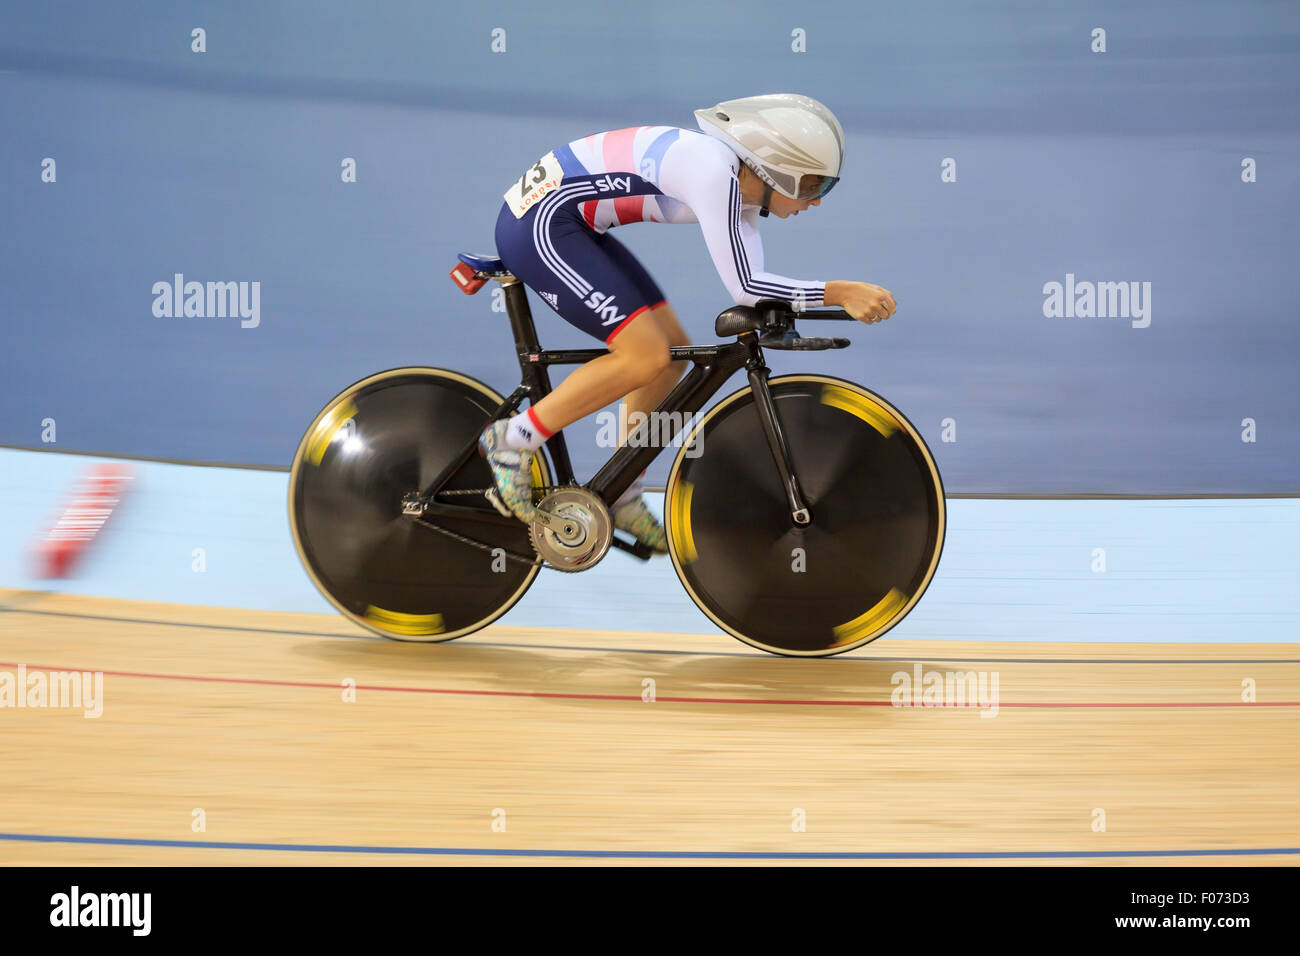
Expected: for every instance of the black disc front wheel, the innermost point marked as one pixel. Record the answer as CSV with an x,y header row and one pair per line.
x,y
381,439
877,518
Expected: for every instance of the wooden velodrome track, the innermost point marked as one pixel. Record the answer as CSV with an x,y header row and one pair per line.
x,y
241,714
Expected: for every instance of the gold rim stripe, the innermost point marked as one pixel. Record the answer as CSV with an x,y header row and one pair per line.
x,y
681,522
867,623
861,406
400,623
326,429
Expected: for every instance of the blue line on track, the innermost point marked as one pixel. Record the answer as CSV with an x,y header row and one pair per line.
x,y
647,854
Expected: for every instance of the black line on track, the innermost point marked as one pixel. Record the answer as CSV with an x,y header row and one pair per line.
x,y
641,650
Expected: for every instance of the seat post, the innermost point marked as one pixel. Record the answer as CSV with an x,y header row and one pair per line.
x,y
536,382
521,317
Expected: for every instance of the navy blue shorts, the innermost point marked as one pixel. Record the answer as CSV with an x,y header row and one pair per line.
x,y
589,278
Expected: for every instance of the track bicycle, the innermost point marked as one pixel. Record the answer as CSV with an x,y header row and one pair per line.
x,y
804,514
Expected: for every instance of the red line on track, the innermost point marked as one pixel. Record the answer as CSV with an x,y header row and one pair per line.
x,y
1058,705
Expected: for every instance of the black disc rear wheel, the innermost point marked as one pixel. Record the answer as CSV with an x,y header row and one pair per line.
x,y
875,499
385,437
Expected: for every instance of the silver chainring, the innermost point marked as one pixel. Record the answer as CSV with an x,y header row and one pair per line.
x,y
571,529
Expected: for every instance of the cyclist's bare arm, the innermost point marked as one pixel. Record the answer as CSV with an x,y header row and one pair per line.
x,y
862,300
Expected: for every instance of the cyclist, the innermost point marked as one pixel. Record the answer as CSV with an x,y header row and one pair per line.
x,y
778,152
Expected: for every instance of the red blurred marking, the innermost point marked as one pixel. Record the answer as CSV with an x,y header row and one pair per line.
x,y
91,503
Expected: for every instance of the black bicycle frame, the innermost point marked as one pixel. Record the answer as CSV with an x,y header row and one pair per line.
x,y
712,366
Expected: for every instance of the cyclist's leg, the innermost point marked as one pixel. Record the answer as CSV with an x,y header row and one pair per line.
x,y
638,358
646,398
630,511
553,250
591,286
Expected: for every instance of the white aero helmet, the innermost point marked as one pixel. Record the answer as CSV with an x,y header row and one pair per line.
x,y
792,142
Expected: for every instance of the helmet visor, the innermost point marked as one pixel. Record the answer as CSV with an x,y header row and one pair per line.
x,y
815,187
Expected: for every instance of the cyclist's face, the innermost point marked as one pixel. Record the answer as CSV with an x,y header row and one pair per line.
x,y
783,206
751,188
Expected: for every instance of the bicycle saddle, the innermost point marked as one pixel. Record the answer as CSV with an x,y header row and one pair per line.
x,y
488,265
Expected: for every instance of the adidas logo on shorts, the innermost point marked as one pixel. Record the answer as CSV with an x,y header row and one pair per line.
x,y
552,298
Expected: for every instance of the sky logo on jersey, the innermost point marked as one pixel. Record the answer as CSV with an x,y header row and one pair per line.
x,y
622,184
603,305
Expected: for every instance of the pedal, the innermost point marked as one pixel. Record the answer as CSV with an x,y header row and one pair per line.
x,y
414,506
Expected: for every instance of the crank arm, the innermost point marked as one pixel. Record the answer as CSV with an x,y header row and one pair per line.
x,y
634,548
549,519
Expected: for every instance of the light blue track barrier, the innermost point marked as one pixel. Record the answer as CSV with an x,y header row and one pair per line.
x,y
1196,570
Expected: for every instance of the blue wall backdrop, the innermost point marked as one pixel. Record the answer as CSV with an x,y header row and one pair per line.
x,y
1116,166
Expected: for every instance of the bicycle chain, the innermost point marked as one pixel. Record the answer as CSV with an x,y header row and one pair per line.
x,y
544,489
479,544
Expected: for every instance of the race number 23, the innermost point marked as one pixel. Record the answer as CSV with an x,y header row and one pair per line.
x,y
539,180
